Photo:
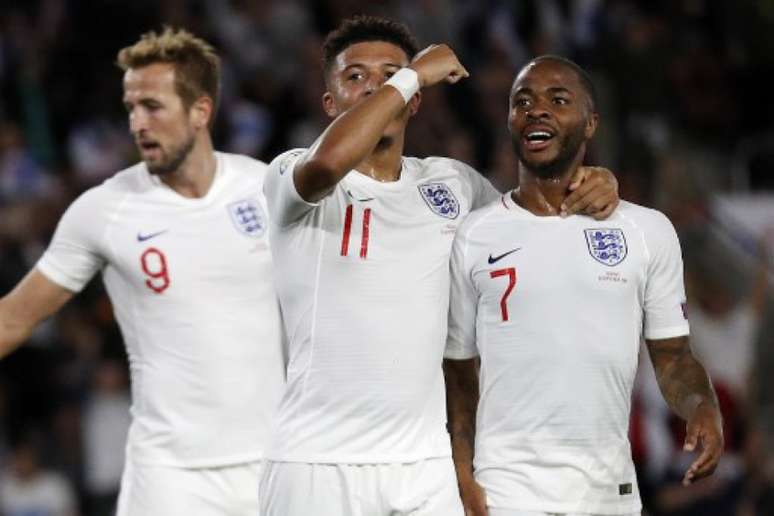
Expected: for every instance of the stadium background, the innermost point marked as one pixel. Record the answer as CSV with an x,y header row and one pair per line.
x,y
687,117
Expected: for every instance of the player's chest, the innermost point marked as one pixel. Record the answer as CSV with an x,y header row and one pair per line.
x,y
158,248
543,264
364,224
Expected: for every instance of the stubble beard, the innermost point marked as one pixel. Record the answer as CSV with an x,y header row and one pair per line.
x,y
569,146
174,160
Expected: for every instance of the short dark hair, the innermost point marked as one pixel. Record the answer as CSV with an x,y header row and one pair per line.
x,y
582,74
367,28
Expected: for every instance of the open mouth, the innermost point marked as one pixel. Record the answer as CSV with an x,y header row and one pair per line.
x,y
149,147
537,139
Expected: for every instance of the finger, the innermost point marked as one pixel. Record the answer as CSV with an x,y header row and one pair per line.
x,y
580,191
590,202
580,175
605,212
691,437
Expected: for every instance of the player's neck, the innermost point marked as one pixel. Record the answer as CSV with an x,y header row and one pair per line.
x,y
384,163
542,196
195,176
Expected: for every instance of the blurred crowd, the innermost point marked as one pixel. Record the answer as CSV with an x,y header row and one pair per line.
x,y
687,125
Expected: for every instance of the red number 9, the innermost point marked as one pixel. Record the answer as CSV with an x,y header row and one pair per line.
x,y
154,264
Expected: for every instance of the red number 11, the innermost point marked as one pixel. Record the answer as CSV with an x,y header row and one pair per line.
x,y
364,233
511,273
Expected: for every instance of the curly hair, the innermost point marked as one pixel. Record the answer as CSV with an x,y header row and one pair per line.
x,y
367,28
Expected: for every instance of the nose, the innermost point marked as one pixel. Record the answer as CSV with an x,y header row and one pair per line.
x,y
138,122
537,111
374,82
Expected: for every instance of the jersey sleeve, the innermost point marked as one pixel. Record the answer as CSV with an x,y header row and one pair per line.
x,y
286,205
463,305
664,306
74,255
483,191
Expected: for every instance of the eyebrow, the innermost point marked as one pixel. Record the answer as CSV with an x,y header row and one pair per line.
x,y
362,65
525,90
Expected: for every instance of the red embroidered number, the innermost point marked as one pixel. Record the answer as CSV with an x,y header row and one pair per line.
x,y
154,264
511,273
348,230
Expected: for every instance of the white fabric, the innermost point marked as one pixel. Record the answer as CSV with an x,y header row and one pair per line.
x,y
105,424
47,494
557,375
192,290
224,491
425,488
366,314
515,512
406,81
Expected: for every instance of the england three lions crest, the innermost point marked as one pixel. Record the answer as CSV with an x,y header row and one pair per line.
x,y
248,217
440,199
607,246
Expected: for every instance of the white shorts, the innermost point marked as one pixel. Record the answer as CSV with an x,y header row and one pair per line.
x,y
515,512
425,488
162,490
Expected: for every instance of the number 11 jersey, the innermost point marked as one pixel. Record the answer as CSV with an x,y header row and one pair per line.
x,y
363,280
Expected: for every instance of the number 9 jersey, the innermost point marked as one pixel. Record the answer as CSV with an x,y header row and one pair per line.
x,y
191,285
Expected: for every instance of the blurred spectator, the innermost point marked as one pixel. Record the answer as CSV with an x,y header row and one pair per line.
x,y
105,425
28,488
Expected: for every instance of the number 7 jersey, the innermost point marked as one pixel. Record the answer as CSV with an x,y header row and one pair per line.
x,y
363,281
556,308
191,286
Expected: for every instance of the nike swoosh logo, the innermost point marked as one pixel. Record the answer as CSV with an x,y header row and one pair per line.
x,y
493,259
143,238
361,200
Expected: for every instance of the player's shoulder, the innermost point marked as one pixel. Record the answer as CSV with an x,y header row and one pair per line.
x,y
131,180
242,162
281,162
442,166
480,218
642,215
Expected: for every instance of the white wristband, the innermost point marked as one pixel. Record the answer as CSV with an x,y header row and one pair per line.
x,y
406,81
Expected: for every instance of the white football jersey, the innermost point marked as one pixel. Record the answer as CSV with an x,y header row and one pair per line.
x,y
557,308
193,292
363,280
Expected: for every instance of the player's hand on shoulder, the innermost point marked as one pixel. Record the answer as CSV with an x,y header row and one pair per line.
x,y
704,432
473,498
438,63
593,192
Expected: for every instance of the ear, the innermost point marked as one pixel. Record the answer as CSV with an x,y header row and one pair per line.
x,y
413,103
592,122
329,105
201,112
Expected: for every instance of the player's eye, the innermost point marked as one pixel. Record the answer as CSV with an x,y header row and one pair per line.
x,y
561,101
355,76
521,102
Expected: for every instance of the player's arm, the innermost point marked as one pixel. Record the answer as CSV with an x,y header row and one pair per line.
x,y
688,391
461,402
350,138
593,191
35,298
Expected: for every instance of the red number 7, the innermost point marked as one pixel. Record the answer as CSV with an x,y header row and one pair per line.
x,y
511,273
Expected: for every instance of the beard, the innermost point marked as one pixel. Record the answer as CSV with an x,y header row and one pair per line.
x,y
171,161
569,145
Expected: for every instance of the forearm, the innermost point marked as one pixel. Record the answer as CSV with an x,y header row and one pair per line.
x,y
347,141
11,335
682,379
462,401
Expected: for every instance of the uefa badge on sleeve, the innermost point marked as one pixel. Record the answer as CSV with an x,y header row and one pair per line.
x,y
440,199
248,217
607,246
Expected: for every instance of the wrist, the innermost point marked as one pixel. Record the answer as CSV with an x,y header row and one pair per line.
x,y
406,81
